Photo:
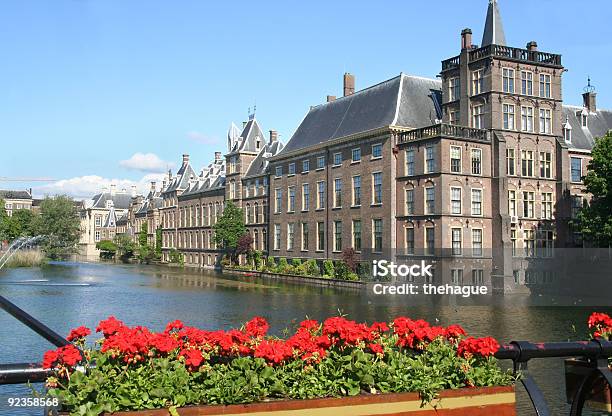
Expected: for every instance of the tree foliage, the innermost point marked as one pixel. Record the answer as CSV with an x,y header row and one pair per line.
x,y
594,220
229,228
125,246
22,223
107,248
60,226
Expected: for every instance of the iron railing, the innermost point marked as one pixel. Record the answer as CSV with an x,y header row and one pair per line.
x,y
500,51
444,130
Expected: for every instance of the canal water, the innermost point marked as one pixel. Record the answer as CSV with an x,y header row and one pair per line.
x,y
67,295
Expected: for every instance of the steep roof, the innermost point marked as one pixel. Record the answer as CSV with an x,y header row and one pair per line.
x,y
111,218
405,101
181,180
9,194
259,165
247,141
494,29
598,124
121,200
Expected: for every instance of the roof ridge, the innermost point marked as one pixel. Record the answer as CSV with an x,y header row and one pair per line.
x,y
399,99
356,92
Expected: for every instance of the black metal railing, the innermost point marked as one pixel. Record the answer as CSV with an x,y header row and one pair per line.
x,y
499,51
443,130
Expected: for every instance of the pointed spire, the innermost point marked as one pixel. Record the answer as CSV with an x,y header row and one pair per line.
x,y
494,29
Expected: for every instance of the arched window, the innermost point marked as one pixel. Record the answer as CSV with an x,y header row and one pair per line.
x,y
232,189
248,213
256,213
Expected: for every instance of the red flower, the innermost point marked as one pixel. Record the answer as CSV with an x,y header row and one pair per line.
x,y
274,351
193,358
174,325
164,343
379,327
68,355
309,324
50,358
257,327
109,326
376,348
454,332
77,333
484,347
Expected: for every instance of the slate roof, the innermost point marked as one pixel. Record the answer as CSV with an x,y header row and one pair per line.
x,y
181,180
598,124
405,101
120,200
247,141
111,218
259,165
9,194
494,29
122,220
211,177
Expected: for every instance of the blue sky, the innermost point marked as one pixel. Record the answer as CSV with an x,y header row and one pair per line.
x,y
88,84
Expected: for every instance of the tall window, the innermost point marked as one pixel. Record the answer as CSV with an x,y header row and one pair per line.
x,y
454,116
278,200
545,165
376,151
337,159
476,161
513,241
305,197
291,200
527,119
455,162
377,230
320,162
508,110
320,236
409,162
526,83
410,240
430,159
508,80
356,155
478,81
547,205
477,277
409,201
576,205
356,190
430,200
545,86
278,171
357,235
291,169
455,200
457,277
290,235
511,161
477,202
232,189
430,241
305,236
545,121
337,235
456,241
256,213
320,195
529,243
277,236
454,89
477,242
478,116
377,185
305,166
528,204
576,169
544,244
527,162
337,193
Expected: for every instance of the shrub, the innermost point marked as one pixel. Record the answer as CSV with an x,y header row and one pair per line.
x,y
312,268
349,257
328,269
296,262
284,267
177,257
257,259
341,270
270,265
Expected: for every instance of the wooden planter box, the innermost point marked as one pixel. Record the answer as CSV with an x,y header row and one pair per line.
x,y
601,393
489,401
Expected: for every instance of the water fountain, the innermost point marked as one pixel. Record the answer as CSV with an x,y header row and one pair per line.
x,y
16,245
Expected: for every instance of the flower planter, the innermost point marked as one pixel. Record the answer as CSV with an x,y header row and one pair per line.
x,y
487,401
600,397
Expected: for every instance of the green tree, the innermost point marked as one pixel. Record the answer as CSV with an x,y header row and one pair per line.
x,y
594,220
125,246
158,243
145,252
60,226
229,228
107,248
22,223
3,218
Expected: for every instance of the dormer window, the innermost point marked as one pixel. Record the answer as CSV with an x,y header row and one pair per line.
x,y
258,144
585,120
567,131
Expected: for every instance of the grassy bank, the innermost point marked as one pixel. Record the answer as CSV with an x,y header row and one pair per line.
x,y
26,258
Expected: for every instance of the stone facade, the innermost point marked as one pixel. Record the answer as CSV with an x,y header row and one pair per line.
x,y
15,200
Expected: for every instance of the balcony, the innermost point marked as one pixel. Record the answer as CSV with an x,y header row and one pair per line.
x,y
515,54
444,130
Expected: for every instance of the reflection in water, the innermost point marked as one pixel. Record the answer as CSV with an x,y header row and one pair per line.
x,y
66,295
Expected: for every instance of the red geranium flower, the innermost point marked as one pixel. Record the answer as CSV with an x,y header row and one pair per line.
x,y
193,358
484,347
109,326
174,325
257,327
77,333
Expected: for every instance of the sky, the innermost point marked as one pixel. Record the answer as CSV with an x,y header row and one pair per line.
x,y
101,91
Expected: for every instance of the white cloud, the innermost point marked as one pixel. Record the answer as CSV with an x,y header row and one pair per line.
x,y
85,187
146,162
196,136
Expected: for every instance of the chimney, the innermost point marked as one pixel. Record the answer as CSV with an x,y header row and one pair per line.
x,y
466,39
532,46
590,101
185,159
217,156
113,188
331,98
133,191
349,84
273,136
153,186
